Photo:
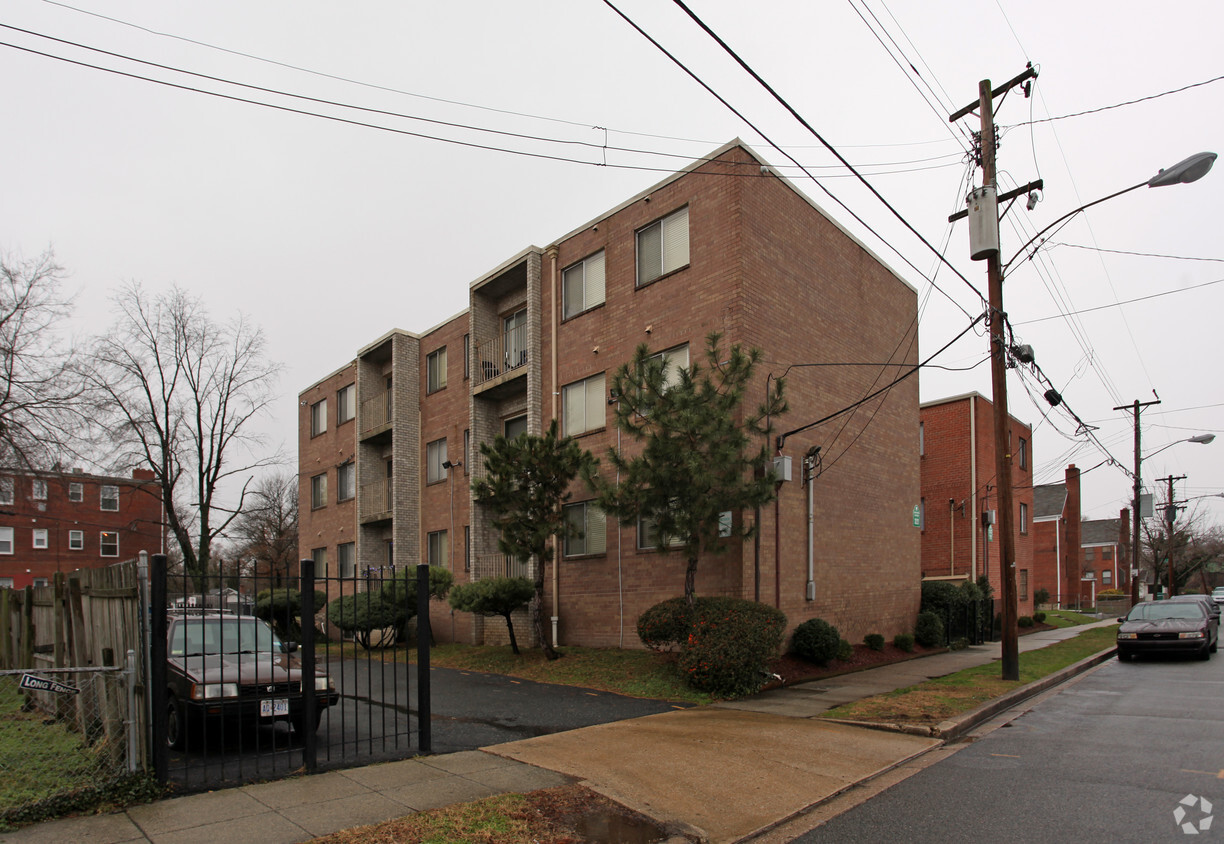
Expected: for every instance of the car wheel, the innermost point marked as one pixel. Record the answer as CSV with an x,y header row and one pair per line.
x,y
1124,656
176,724
1205,653
299,721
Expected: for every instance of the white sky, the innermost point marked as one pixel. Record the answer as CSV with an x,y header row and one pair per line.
x,y
329,234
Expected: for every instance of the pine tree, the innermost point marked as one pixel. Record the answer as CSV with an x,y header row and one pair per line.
x,y
696,460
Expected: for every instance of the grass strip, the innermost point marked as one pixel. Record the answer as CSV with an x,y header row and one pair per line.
x,y
946,697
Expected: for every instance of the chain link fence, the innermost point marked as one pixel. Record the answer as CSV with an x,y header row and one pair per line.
x,y
64,733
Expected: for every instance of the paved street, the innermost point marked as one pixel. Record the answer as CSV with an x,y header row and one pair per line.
x,y
1109,757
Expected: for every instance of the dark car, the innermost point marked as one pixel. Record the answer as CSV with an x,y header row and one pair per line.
x,y
1168,627
236,669
1211,606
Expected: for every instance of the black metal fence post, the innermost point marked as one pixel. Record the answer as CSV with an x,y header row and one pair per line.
x,y
424,716
310,741
157,669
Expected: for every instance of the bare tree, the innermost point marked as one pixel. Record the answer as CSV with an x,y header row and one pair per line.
x,y
40,390
1194,548
176,393
266,532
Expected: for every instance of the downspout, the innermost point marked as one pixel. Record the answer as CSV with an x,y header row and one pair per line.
x,y
810,592
973,487
556,572
1058,529
952,536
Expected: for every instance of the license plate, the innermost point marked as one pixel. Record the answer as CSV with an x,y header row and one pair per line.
x,y
273,707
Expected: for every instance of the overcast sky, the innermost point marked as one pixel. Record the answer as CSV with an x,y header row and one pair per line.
x,y
329,233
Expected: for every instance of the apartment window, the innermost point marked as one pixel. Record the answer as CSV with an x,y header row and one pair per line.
x,y
922,514
435,369
435,456
663,247
109,543
515,427
346,404
318,417
346,559
1023,517
76,492
108,498
1106,553
587,533
6,490
921,439
6,583
40,537
41,581
346,481
437,548
467,547
1023,584
1106,577
6,540
648,535
319,555
39,489
673,361
467,355
516,338
582,285
584,404
76,540
1089,553
318,491
467,448
1022,453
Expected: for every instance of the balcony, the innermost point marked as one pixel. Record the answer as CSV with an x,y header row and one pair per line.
x,y
374,504
375,415
498,565
499,359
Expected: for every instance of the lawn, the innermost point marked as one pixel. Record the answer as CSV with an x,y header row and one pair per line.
x,y
1068,618
936,700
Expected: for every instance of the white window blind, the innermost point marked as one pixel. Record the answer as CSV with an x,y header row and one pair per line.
x,y
584,404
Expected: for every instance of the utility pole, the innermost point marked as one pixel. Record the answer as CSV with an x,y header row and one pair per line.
x,y
1135,409
1010,661
1170,518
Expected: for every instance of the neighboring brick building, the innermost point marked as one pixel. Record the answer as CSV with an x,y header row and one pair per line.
x,y
62,521
959,490
1074,559
1104,565
726,246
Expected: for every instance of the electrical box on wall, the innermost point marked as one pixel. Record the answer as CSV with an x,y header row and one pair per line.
x,y
983,223
782,468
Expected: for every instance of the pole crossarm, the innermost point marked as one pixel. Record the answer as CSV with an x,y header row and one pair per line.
x,y
1003,197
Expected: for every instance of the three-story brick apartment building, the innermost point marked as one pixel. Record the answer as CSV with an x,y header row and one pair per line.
x,y
389,443
62,521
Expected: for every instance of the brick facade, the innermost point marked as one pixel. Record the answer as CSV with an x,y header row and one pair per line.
x,y
959,487
63,521
766,268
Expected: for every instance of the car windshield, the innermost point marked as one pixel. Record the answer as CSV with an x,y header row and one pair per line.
x,y
1219,590
200,636
1158,610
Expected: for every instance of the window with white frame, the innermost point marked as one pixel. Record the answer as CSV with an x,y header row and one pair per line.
x,y
648,535
584,403
76,540
76,491
40,537
587,529
108,498
346,481
435,368
319,555
6,540
582,285
6,490
346,559
41,581
6,583
663,247
346,404
1106,577
38,489
437,546
318,491
435,456
673,361
108,541
318,417
1023,517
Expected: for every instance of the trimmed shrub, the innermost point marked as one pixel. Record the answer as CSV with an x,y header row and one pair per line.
x,y
1042,596
666,625
874,641
1105,593
816,640
1039,617
941,597
729,645
1024,621
904,641
929,631
845,650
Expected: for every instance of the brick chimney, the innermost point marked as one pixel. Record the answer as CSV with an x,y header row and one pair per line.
x,y
1075,553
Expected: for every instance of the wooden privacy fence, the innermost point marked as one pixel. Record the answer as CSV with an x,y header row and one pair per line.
x,y
90,618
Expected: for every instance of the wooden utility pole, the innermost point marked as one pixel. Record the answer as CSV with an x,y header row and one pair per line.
x,y
1136,408
1170,518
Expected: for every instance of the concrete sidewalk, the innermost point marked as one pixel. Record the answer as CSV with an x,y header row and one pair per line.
x,y
718,773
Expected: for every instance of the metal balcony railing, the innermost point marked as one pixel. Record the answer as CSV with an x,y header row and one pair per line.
x,y
497,355
375,498
375,412
499,565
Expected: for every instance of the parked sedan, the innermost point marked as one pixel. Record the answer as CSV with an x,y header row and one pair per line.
x,y
1168,627
1213,609
236,669
1217,595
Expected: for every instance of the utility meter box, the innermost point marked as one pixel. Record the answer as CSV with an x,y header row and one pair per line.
x,y
782,469
983,222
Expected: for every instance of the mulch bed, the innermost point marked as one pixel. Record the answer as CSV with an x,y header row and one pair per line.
x,y
795,669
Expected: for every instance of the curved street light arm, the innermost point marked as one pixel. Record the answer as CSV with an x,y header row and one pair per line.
x,y
1066,216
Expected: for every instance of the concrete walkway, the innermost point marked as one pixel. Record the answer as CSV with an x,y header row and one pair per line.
x,y
720,773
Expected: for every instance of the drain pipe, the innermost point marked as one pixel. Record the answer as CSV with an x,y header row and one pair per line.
x,y
809,467
553,307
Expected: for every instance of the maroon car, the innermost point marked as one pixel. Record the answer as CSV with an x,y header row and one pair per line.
x,y
232,668
1168,627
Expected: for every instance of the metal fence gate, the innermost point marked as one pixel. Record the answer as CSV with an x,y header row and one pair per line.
x,y
255,679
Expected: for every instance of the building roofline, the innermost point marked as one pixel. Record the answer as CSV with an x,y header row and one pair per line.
x,y
327,377
966,397
505,265
394,332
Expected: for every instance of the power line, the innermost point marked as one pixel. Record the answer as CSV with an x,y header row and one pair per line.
x,y
1120,304
1120,105
1135,254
